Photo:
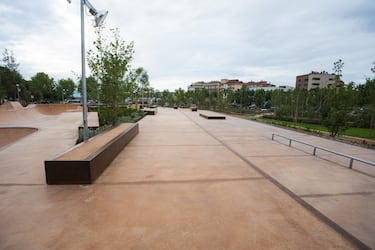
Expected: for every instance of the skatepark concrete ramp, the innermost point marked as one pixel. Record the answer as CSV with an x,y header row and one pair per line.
x,y
56,109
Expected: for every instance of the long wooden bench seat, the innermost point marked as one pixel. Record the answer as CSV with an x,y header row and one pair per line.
x,y
85,162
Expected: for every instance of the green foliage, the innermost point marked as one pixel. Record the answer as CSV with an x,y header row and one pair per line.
x,y
365,133
107,115
10,78
166,98
110,62
125,115
180,98
330,106
139,84
65,88
42,87
336,121
259,97
9,60
337,68
92,88
8,81
282,112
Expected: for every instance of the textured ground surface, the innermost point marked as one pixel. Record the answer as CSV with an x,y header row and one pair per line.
x,y
185,182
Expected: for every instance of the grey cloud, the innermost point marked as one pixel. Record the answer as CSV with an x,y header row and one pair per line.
x,y
183,41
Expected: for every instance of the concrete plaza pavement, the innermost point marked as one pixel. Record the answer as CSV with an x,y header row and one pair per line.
x,y
189,183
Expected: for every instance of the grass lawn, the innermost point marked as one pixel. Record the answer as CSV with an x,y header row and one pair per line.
x,y
360,132
365,133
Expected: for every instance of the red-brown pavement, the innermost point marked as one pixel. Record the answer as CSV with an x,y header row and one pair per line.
x,y
185,182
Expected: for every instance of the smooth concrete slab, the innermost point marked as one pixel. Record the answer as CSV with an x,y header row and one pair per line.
x,y
324,181
356,211
9,135
178,185
176,163
213,215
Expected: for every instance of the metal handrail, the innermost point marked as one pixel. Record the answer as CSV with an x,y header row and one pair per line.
x,y
352,158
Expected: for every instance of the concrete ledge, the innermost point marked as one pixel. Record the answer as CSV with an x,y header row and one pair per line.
x,y
150,111
213,117
85,162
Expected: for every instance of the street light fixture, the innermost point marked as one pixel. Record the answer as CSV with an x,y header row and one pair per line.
x,y
99,19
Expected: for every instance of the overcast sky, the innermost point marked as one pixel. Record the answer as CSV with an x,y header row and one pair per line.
x,y
183,41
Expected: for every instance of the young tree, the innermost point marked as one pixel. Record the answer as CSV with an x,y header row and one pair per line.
x,y
368,95
9,80
12,84
142,82
42,87
92,88
166,98
9,60
337,116
110,62
180,97
337,68
65,88
259,97
336,113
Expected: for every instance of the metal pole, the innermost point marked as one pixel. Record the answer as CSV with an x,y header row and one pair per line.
x,y
18,92
84,97
351,163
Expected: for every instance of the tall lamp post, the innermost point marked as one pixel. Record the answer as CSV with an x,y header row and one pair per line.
x,y
99,19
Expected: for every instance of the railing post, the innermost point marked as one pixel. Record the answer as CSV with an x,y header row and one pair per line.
x,y
273,136
314,152
351,163
290,142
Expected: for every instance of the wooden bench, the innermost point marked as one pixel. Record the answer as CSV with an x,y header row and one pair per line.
x,y
85,162
213,117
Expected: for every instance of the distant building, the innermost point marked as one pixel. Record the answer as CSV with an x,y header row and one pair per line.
x,y
233,84
271,88
315,80
212,86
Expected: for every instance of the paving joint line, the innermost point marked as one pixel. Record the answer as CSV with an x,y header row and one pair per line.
x,y
338,194
354,240
20,184
161,182
271,156
176,145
